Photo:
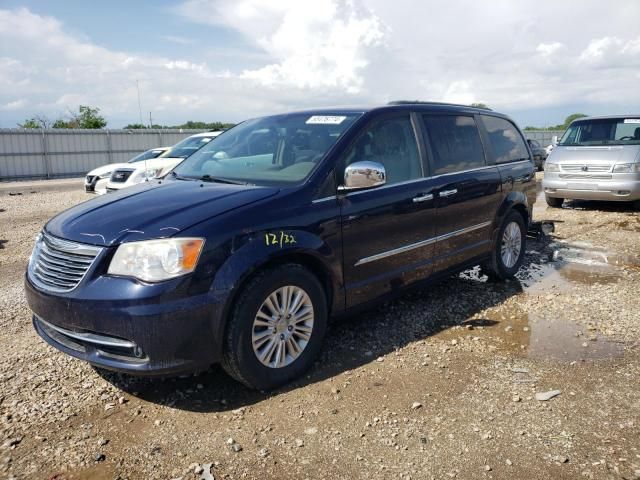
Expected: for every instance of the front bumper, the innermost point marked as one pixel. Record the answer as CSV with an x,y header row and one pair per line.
x,y
592,189
159,335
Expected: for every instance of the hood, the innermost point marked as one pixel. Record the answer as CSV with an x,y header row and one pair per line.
x,y
108,168
596,154
151,210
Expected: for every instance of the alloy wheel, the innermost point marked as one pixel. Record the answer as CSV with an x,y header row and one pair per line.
x,y
511,245
282,326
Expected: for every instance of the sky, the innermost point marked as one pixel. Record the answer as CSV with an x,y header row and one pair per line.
x,y
228,60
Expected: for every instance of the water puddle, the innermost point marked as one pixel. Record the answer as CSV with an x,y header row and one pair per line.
x,y
563,340
565,265
554,339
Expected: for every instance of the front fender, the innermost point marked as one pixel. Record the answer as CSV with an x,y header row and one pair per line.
x,y
254,251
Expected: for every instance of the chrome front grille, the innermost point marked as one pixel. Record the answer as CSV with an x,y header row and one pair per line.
x,y
594,176
585,167
58,265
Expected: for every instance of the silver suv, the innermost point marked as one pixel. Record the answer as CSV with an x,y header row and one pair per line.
x,y
598,158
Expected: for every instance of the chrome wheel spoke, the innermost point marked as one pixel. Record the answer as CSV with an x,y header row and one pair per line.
x,y
510,246
282,326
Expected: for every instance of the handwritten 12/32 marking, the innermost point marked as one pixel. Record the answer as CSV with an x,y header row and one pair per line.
x,y
279,239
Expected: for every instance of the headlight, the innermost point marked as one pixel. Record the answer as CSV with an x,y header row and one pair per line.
x,y
626,168
144,174
551,167
156,260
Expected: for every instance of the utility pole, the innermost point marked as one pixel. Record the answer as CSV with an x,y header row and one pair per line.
x,y
139,104
150,121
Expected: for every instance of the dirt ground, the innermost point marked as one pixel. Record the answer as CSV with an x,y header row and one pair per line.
x,y
440,383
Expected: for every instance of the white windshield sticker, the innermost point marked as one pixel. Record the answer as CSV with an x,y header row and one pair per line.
x,y
325,120
626,120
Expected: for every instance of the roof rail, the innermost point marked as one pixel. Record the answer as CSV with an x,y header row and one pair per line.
x,y
422,102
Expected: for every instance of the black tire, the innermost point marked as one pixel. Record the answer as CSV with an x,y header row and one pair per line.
x,y
495,267
554,202
636,204
239,359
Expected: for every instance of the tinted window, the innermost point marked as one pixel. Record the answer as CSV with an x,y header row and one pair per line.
x,y
455,143
392,143
505,140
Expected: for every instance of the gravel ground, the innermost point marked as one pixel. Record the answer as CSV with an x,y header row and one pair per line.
x,y
444,382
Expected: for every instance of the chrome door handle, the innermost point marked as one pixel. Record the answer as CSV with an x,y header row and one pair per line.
x,y
425,197
448,193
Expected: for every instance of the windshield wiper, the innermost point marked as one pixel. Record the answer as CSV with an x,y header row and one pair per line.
x,y
180,177
209,178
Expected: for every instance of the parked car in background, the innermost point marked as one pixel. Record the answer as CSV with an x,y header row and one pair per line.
x,y
246,250
539,153
96,180
597,158
129,175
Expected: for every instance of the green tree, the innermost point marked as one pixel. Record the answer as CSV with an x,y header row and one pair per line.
x,y
571,118
37,121
480,105
86,117
134,126
30,123
89,117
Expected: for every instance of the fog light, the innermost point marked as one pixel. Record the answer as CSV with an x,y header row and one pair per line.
x,y
624,192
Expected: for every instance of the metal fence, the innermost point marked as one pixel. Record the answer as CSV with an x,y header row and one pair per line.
x,y
53,153
543,136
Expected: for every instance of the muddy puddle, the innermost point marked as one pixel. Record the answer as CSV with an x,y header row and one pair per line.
x,y
543,338
559,267
565,265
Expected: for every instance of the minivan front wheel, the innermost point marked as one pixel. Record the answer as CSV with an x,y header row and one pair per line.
x,y
508,252
276,327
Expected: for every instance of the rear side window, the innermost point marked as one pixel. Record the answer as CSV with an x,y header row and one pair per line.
x,y
455,143
505,140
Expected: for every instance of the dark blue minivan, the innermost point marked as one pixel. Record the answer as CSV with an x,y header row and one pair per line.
x,y
245,251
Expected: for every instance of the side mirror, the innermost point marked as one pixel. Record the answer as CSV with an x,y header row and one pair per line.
x,y
554,140
361,175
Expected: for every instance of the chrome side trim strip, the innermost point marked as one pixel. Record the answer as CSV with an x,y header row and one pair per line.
x,y
90,337
462,231
396,251
422,243
324,199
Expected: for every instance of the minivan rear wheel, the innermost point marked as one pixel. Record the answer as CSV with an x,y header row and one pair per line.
x,y
508,252
554,202
276,327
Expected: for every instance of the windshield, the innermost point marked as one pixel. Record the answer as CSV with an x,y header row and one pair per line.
x,y
607,131
147,155
277,150
187,147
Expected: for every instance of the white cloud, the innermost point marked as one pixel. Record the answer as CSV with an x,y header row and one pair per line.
x,y
299,53
14,105
612,52
319,45
548,49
